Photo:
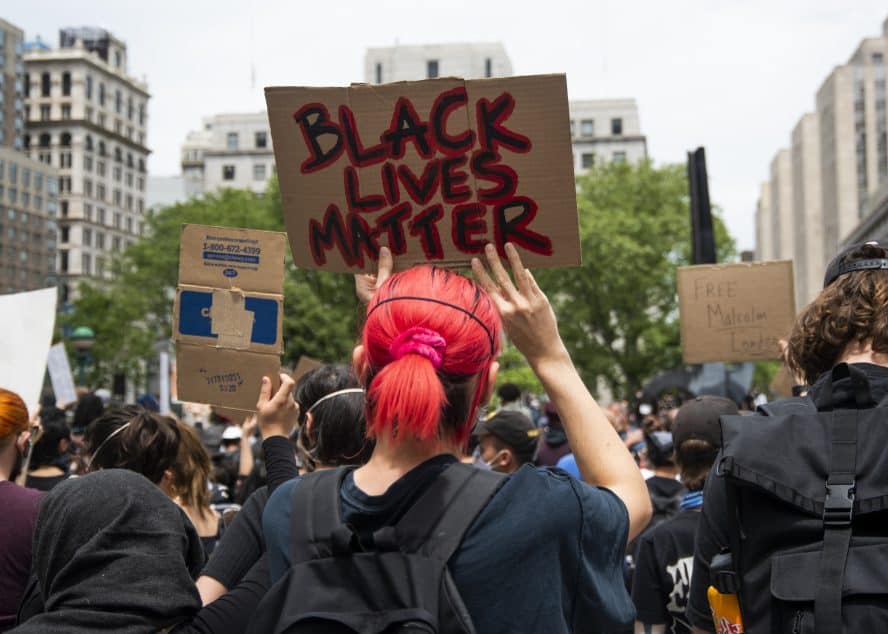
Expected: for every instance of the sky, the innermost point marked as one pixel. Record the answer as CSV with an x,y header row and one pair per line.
x,y
733,76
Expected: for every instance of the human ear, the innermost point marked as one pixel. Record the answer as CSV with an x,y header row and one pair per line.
x,y
359,363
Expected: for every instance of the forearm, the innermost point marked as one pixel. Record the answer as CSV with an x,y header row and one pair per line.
x,y
245,467
601,456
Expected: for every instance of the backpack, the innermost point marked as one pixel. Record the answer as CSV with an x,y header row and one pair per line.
x,y
400,584
810,483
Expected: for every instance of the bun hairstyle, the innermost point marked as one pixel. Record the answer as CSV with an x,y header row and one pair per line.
x,y
429,332
13,414
134,439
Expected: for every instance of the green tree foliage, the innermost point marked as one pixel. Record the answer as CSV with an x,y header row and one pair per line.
x,y
618,313
134,311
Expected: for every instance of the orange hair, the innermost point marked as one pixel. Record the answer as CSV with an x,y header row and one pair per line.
x,y
13,414
429,331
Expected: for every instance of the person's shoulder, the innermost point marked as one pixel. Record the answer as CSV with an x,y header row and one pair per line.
x,y
283,494
554,490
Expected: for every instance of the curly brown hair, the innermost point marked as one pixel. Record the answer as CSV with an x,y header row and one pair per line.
x,y
852,309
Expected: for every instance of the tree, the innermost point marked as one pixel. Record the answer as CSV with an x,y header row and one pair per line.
x,y
618,312
133,312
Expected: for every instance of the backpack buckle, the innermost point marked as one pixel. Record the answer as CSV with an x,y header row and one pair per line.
x,y
838,506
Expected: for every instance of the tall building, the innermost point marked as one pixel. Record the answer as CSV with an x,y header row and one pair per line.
x,y
605,130
838,166
427,61
28,231
230,150
12,72
87,116
764,243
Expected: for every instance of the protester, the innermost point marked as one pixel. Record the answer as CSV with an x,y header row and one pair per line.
x,y
330,407
665,554
48,465
510,399
507,440
18,507
545,553
88,408
664,487
189,487
804,487
231,441
554,443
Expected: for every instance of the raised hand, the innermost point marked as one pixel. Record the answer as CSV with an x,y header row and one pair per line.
x,y
366,284
277,413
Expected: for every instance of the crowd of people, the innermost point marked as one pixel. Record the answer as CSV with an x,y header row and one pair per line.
x,y
384,496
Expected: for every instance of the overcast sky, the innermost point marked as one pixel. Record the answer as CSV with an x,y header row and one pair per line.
x,y
733,76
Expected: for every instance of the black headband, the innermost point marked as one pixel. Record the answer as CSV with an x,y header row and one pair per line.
x,y
859,265
442,303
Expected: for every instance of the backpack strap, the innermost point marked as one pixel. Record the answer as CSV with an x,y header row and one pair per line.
x,y
787,406
316,529
436,523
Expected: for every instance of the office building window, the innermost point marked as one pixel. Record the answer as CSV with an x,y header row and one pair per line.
x,y
129,224
259,171
118,102
588,160
44,85
27,86
66,111
117,220
66,84
85,264
228,172
64,208
129,108
100,216
65,234
619,157
587,127
63,261
432,68
488,67
100,240
616,127
261,139
231,141
87,237
88,86
101,94
44,112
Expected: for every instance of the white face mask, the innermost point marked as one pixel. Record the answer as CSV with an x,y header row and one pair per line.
x,y
644,409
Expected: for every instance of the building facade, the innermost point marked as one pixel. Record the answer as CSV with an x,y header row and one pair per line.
x,y
89,118
230,150
12,73
28,230
838,164
428,61
605,130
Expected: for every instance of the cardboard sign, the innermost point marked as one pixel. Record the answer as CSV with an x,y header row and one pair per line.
x,y
228,314
433,169
735,312
26,324
60,376
304,366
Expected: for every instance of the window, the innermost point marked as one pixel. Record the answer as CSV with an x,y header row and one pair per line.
x,y
432,68
26,199
44,112
118,126
228,172
129,179
64,208
141,114
129,159
100,266
261,139
117,197
616,127
100,216
26,177
66,111
63,261
118,154
87,162
88,211
65,159
877,58
587,127
100,120
27,86
488,67
378,72
38,202
38,178
118,171
231,141
101,94
129,108
88,143
102,150
87,237
85,264
115,243
117,59
129,205
44,85
88,86
12,173
129,225
100,168
259,172
619,157
100,191
65,139
66,84
118,102
66,234
100,240
12,194
87,187
117,220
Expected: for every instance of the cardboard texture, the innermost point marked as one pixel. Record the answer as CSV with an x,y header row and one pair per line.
x,y
433,169
304,366
228,314
735,312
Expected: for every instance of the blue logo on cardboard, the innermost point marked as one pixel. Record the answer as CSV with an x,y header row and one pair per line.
x,y
230,273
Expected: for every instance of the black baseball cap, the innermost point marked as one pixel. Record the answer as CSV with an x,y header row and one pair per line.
x,y
698,419
842,263
513,428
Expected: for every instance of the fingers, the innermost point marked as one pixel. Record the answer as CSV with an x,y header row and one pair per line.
x,y
264,393
285,392
522,276
500,273
385,266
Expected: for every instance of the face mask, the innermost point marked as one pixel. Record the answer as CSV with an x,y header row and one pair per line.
x,y
480,463
644,409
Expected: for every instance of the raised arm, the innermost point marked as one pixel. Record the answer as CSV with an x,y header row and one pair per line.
x,y
530,323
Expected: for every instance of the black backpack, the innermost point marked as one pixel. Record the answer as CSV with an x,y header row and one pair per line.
x,y
807,488
401,585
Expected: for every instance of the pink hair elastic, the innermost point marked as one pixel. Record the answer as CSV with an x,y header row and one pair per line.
x,y
422,341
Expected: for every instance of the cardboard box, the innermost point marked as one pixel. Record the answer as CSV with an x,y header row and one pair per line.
x,y
433,169
735,312
228,314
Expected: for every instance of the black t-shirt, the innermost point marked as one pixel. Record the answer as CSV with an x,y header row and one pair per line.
x,y
663,566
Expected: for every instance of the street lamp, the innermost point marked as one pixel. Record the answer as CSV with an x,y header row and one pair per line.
x,y
83,339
